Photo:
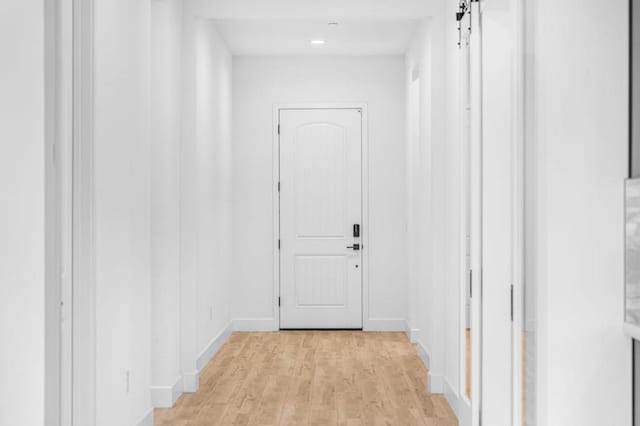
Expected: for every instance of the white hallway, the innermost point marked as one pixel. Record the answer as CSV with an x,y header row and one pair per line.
x,y
139,172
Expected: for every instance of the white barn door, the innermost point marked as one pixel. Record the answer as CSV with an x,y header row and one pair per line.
x,y
498,214
320,218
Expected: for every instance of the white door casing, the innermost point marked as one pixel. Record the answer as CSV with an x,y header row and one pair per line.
x,y
475,210
320,202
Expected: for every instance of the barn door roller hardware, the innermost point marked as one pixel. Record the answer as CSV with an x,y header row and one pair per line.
x,y
464,7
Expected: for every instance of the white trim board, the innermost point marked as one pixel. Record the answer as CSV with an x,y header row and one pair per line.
x,y
385,324
452,397
371,325
255,324
413,334
435,382
423,354
460,405
59,25
365,204
214,346
84,250
464,414
190,382
520,323
166,396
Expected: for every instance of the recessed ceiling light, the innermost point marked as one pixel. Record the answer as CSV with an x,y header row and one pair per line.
x,y
317,42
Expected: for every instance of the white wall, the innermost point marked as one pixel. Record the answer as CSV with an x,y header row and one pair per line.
x,y
454,262
122,217
22,212
261,82
166,85
577,151
213,168
434,168
205,196
422,289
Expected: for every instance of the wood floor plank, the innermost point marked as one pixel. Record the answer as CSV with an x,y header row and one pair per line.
x,y
300,378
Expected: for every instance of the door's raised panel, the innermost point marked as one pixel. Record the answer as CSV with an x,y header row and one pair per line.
x,y
320,281
320,181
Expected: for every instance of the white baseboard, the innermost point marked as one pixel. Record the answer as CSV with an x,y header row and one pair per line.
x,y
190,382
413,334
214,346
460,405
423,354
269,324
451,396
435,383
385,324
464,412
166,396
254,324
147,419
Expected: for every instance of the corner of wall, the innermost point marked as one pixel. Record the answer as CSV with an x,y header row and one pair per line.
x,y
413,334
435,380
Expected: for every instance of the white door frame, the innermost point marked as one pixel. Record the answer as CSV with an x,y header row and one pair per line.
x,y
518,207
58,104
466,311
70,344
475,170
63,118
276,201
83,228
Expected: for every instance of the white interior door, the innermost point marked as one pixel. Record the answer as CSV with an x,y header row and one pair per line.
x,y
497,213
320,207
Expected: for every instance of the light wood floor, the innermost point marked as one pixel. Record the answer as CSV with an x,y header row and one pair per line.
x,y
312,378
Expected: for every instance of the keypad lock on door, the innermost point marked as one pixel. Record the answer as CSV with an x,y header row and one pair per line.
x,y
356,234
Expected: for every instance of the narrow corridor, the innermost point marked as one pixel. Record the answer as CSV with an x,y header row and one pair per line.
x,y
312,378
